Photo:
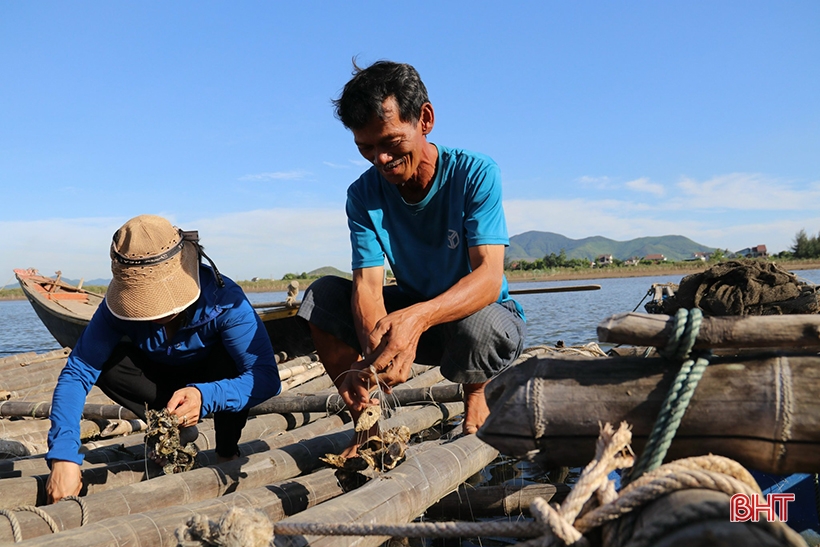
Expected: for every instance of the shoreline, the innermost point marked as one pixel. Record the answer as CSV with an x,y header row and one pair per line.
x,y
536,277
646,271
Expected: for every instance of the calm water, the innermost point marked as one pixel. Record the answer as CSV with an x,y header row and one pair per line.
x,y
572,316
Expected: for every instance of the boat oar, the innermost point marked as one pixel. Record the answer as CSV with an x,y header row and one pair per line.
x,y
542,290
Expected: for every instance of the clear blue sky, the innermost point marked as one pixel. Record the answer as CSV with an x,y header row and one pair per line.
x,y
621,119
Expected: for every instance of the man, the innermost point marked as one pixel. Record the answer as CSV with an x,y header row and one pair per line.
x,y
435,214
171,333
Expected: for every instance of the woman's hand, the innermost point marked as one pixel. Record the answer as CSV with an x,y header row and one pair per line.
x,y
65,480
186,404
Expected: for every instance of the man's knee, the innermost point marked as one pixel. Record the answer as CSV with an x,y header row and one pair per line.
x,y
483,344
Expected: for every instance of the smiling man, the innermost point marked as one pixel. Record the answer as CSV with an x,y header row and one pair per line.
x,y
435,214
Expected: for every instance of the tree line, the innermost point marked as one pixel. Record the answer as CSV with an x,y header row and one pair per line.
x,y
805,246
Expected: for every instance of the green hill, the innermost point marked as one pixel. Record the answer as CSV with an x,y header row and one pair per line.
x,y
328,270
534,245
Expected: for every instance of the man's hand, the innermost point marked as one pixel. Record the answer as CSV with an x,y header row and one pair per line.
x,y
355,388
395,339
186,403
65,480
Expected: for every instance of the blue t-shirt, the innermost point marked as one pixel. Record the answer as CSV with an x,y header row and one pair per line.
x,y
426,243
220,315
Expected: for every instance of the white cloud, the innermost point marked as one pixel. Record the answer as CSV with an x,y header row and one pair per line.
x,y
748,191
77,247
643,185
261,243
278,175
594,182
336,165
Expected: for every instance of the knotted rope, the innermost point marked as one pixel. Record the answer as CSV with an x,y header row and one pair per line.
x,y
678,349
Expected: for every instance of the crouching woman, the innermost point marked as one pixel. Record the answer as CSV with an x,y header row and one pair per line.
x,y
171,333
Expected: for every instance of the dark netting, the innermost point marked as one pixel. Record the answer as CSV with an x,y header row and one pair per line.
x,y
744,288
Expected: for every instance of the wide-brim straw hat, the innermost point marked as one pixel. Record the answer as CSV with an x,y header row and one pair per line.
x,y
155,270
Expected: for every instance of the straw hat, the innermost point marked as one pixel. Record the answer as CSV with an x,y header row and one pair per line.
x,y
155,268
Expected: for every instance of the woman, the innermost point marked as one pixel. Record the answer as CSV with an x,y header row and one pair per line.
x,y
173,333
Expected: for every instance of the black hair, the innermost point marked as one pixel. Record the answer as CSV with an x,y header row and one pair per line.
x,y
363,96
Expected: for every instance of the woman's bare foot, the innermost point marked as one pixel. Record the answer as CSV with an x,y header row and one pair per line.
x,y
475,408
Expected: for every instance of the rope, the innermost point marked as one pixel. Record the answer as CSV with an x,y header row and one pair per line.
x,y
42,514
413,529
15,524
592,503
83,508
681,340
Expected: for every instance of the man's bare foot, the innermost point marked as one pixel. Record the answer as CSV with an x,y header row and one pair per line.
x,y
361,436
475,408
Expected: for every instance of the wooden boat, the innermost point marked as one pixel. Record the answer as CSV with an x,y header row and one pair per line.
x,y
66,309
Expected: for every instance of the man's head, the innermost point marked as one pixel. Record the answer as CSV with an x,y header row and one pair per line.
x,y
363,96
386,108
155,270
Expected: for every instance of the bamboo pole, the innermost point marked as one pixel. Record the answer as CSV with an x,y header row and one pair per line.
x,y
762,411
16,449
157,527
299,361
30,358
299,379
36,441
30,490
43,410
398,496
469,502
333,402
766,331
211,482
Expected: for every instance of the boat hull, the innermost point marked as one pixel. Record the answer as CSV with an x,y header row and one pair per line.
x,y
66,310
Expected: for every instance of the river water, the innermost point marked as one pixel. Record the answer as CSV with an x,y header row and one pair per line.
x,y
572,317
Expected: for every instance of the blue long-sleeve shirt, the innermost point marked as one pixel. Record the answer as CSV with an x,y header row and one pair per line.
x,y
220,315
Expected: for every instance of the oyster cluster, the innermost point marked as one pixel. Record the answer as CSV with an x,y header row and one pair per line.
x,y
378,453
162,443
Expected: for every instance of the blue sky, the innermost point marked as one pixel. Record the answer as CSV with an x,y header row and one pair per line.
x,y
621,119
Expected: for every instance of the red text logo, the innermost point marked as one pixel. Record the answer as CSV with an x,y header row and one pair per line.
x,y
775,507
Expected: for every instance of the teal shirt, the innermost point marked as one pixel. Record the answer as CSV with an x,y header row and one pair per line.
x,y
426,244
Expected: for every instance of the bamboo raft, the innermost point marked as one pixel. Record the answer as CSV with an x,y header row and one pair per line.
x,y
548,407
127,500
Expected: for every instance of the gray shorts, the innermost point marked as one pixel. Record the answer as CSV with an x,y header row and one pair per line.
x,y
469,351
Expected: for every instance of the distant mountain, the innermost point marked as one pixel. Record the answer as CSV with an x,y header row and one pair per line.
x,y
329,270
534,245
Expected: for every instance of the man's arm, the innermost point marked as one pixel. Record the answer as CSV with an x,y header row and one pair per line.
x,y
396,335
367,303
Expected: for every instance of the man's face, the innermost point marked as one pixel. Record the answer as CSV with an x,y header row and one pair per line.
x,y
392,145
